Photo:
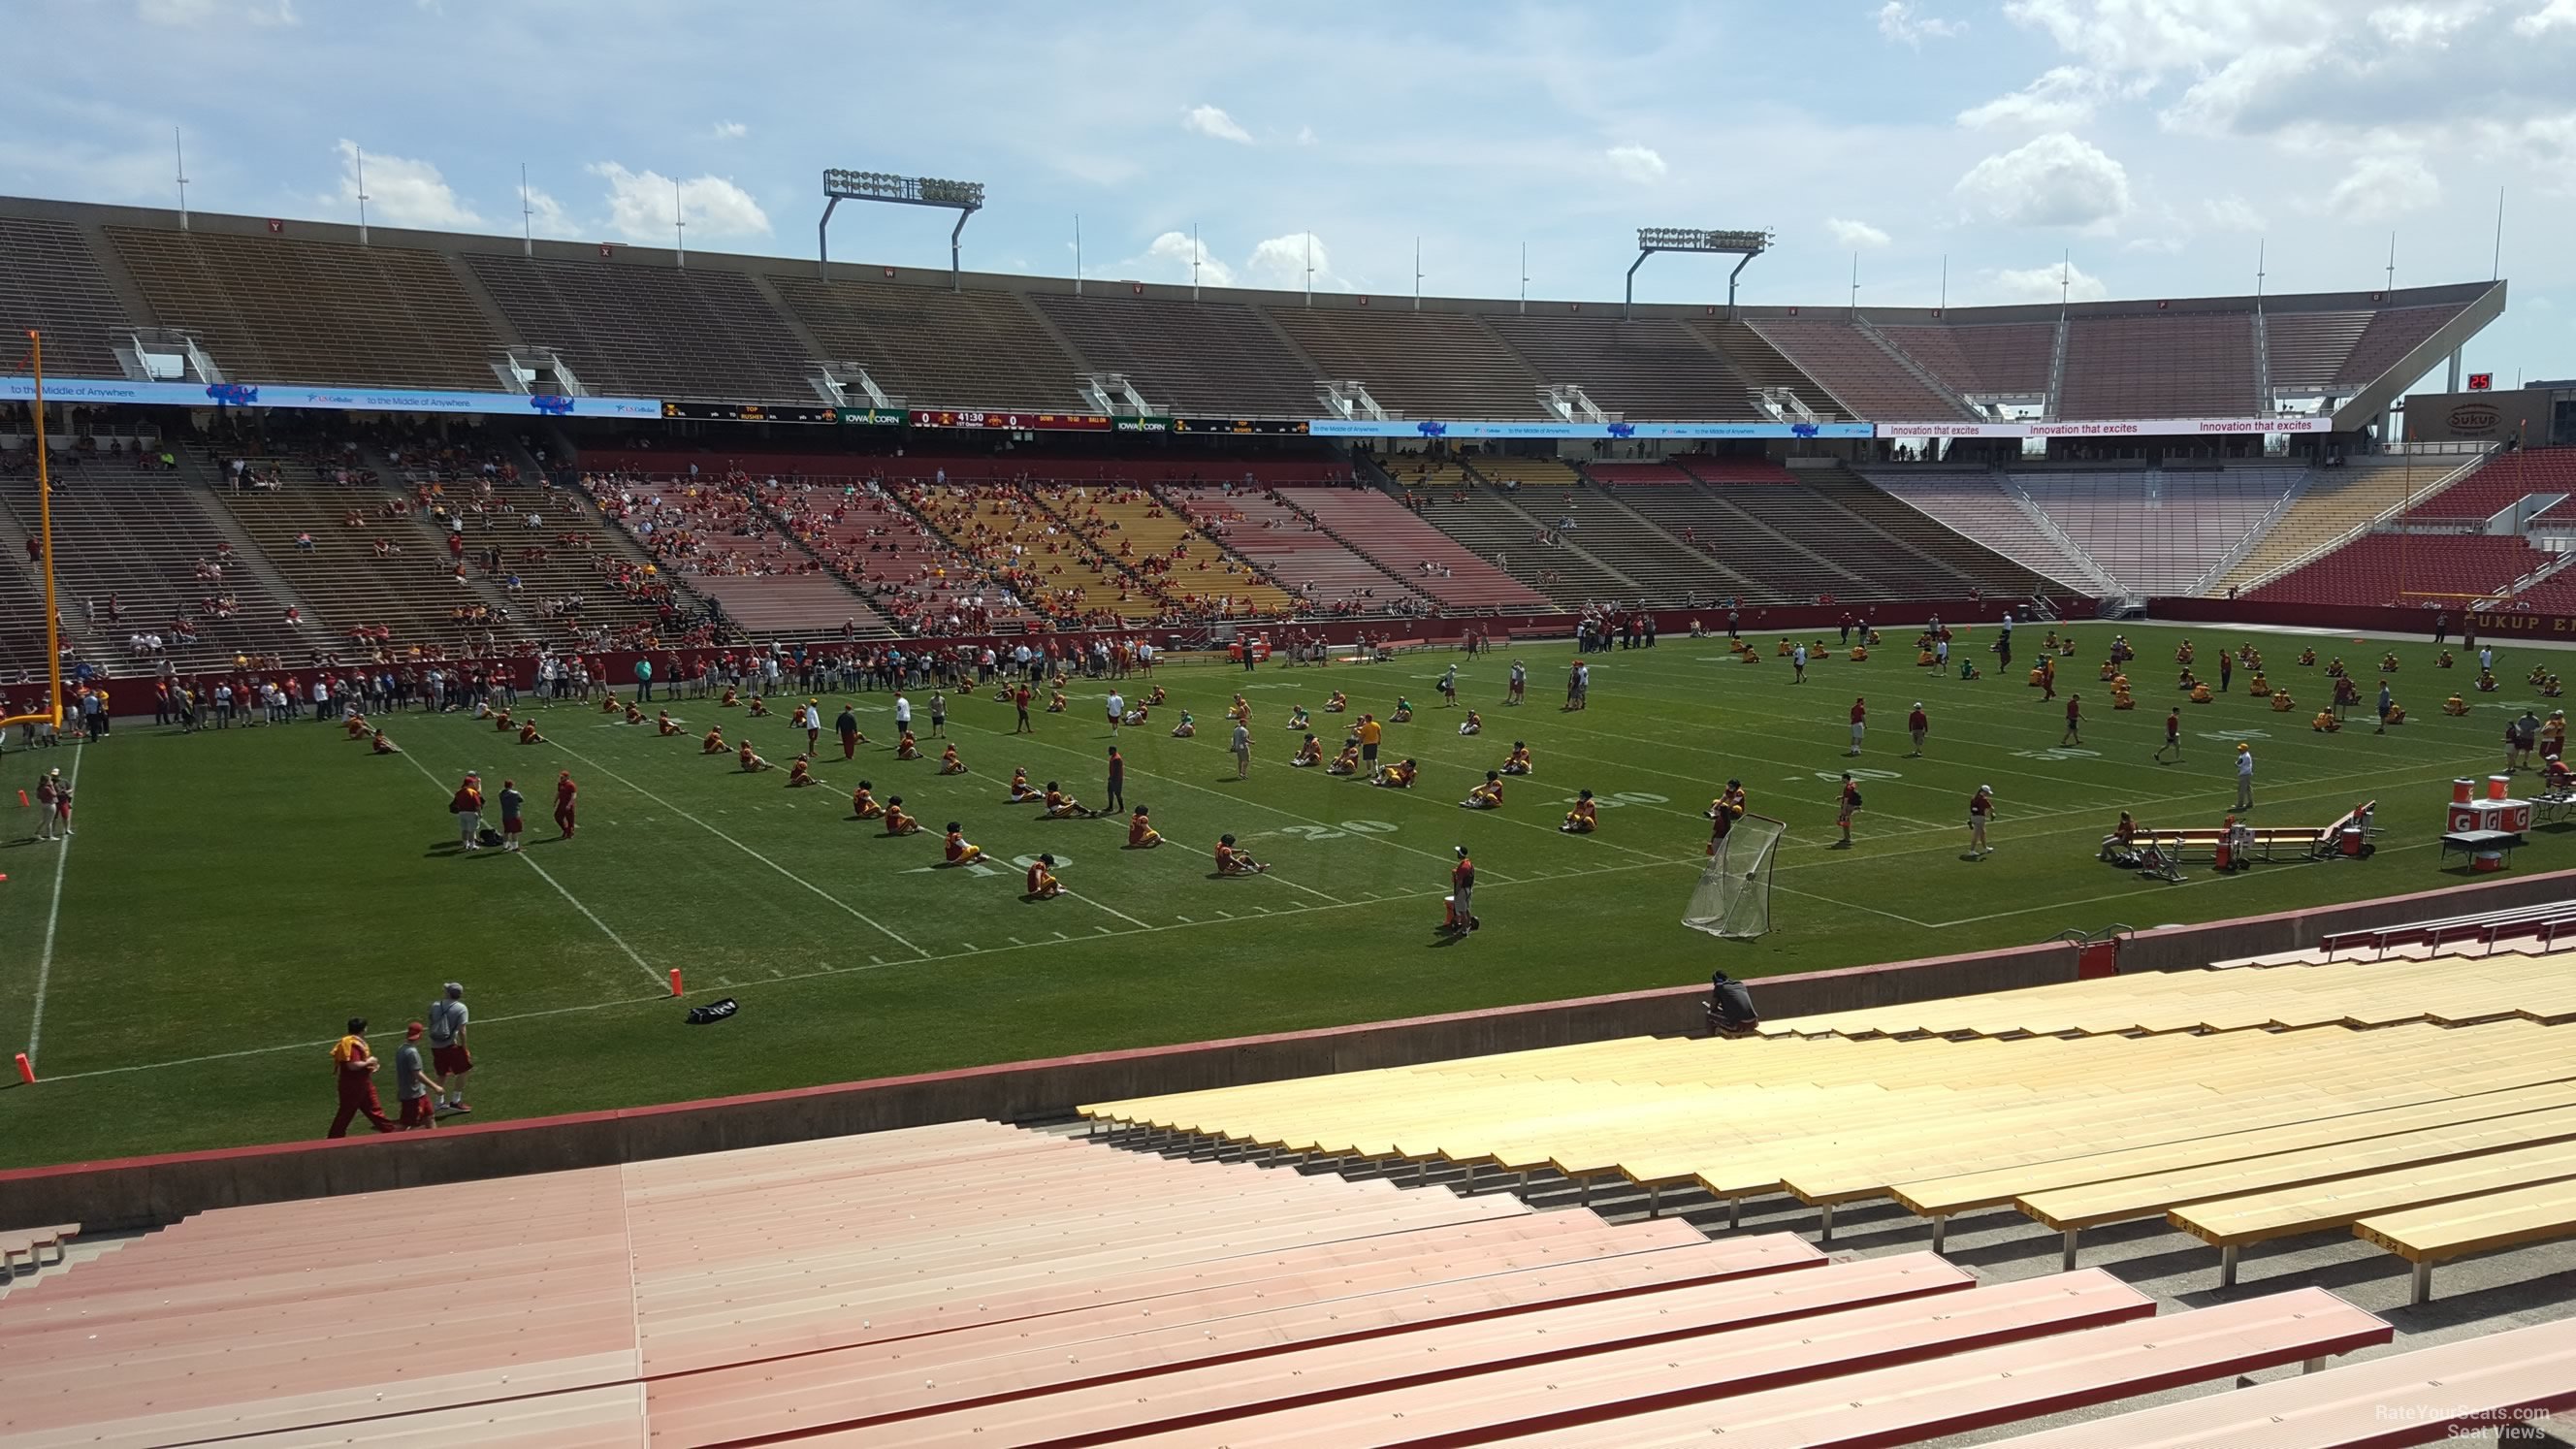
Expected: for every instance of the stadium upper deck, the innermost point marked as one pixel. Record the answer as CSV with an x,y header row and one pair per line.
x,y
305,303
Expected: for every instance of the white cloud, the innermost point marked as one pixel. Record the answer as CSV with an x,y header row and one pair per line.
x,y
1855,235
639,206
547,217
2054,180
266,14
401,192
731,130
2232,213
1213,121
2061,98
1168,258
1636,163
2042,284
1281,262
1897,21
1306,134
2380,187
2552,16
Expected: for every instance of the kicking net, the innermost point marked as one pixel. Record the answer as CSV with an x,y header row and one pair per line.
x,y
1734,894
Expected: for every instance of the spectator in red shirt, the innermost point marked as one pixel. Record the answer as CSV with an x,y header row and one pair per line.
x,y
1859,724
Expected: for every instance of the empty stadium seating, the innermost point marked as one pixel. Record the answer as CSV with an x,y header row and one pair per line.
x,y
1982,357
2404,570
2306,351
2335,503
1293,547
1420,364
1982,506
1524,472
1863,378
1642,369
282,309
651,331
1948,560
2391,334
1195,359
1754,560
53,284
2159,531
1762,365
934,347
1379,528
2499,483
1498,532
2163,365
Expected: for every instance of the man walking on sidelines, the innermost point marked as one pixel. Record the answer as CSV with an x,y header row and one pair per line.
x,y
2244,776
2074,721
1859,723
1242,750
2173,737
354,1065
1917,726
1981,812
447,1050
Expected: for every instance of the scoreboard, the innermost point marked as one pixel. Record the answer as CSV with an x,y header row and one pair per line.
x,y
1014,422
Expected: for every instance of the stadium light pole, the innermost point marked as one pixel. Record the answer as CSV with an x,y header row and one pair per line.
x,y
179,149
1653,239
963,197
360,152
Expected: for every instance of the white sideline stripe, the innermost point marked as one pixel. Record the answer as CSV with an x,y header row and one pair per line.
x,y
548,877
820,972
872,921
53,916
1113,910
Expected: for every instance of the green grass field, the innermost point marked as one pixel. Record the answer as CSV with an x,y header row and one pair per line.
x,y
231,896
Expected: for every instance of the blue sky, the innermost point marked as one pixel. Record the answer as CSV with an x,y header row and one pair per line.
x,y
2157,142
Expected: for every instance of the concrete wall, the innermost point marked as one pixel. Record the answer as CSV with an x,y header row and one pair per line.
x,y
145,1191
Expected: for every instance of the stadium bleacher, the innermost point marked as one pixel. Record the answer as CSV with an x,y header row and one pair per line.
x,y
931,345
1293,547
54,285
2500,482
2402,570
2336,503
1865,379
1197,358
2162,530
647,331
1645,368
1981,505
1384,531
2164,365
1419,364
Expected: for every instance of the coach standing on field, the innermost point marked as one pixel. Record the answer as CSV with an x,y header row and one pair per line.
x,y
448,1055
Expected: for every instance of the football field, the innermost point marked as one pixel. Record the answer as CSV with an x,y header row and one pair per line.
x,y
179,968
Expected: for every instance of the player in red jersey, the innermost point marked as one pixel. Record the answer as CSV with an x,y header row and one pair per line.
x,y
566,793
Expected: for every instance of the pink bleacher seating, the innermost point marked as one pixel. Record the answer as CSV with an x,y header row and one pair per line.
x,y
2399,569
2158,531
878,547
2392,333
1864,377
2502,481
1981,358
1977,505
1034,463
716,538
1295,550
1380,528
2160,365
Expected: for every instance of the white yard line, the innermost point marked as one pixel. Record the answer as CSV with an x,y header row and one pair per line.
x,y
53,917
548,877
880,927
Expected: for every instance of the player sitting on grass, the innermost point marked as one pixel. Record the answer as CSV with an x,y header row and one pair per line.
x,y
1518,761
2455,706
528,734
2441,661
1297,719
1398,776
1232,859
2388,663
1055,702
906,747
714,743
1156,695
1337,704
1403,711
1187,728
760,708
500,719
608,706
357,726
1043,886
1141,834
1347,762
2550,688
2325,723
959,851
1239,711
800,772
898,822
382,744
730,700
2308,658
666,726
1487,796
1022,792
1139,715
949,764
863,802
634,715
750,760
1473,724
1061,806
1309,754
1584,818
2487,681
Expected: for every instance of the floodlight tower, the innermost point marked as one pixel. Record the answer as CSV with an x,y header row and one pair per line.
x,y
963,197
1653,239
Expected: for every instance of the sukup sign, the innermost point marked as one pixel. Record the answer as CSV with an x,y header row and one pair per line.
x,y
2474,420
